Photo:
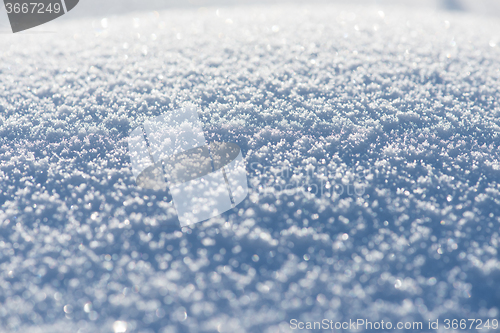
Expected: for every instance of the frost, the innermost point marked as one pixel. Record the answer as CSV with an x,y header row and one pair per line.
x,y
401,102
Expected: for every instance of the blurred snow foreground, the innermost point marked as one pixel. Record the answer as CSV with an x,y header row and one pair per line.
x,y
401,103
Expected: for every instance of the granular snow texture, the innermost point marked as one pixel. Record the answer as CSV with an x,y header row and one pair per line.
x,y
394,114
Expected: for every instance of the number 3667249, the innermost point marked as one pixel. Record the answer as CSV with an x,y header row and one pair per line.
x,y
32,8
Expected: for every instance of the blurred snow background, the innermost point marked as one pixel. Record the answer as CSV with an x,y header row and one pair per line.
x,y
405,95
113,7
106,8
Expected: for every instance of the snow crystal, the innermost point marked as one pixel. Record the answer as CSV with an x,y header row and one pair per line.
x,y
401,103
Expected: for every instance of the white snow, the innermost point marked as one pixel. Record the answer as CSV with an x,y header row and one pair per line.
x,y
403,102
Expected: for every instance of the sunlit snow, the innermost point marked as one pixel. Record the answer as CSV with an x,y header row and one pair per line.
x,y
403,104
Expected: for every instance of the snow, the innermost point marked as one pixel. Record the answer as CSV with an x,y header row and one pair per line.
x,y
401,104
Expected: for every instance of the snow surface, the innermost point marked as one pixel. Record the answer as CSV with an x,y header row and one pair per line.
x,y
401,102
